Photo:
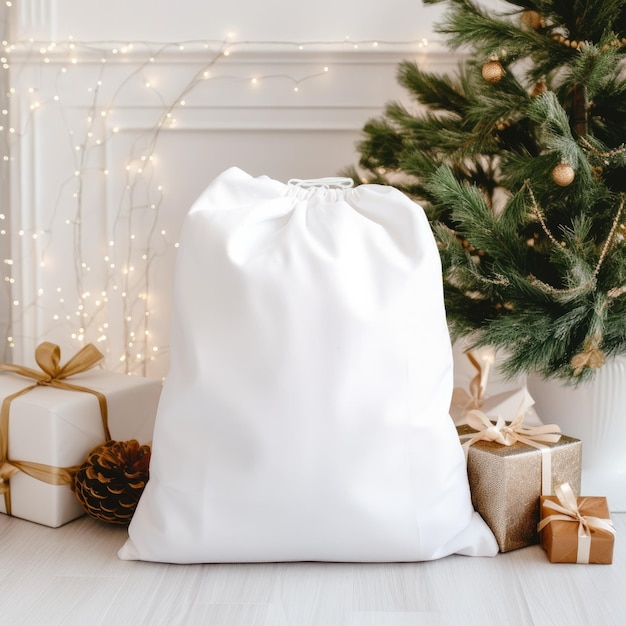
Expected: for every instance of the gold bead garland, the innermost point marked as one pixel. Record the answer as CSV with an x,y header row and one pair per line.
x,y
569,43
538,214
620,150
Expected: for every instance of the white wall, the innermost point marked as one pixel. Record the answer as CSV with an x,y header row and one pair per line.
x,y
279,20
106,159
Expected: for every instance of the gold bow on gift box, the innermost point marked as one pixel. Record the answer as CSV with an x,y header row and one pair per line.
x,y
52,374
507,434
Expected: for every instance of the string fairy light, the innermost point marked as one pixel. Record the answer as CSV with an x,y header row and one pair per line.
x,y
109,295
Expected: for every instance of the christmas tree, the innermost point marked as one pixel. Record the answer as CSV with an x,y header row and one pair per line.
x,y
520,162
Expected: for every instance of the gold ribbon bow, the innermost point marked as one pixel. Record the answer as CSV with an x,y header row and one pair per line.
x,y
509,434
52,374
567,510
477,386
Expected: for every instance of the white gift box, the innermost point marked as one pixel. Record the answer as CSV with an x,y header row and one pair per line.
x,y
507,404
479,384
58,427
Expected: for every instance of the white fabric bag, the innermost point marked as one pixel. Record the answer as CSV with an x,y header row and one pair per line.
x,y
305,414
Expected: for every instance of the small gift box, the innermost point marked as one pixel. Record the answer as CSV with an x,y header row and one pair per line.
x,y
509,466
51,419
576,530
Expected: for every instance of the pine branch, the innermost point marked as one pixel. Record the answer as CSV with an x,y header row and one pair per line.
x,y
466,24
439,93
523,178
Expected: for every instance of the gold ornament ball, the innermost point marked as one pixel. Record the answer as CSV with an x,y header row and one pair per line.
x,y
493,71
532,19
563,174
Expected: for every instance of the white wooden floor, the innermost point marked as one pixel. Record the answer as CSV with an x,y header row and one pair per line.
x,y
72,576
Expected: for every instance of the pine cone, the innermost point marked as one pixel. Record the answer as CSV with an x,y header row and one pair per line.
x,y
110,481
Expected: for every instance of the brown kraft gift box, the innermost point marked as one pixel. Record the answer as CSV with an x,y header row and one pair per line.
x,y
560,537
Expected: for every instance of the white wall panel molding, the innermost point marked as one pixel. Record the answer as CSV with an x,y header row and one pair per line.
x,y
94,20
5,195
34,18
111,149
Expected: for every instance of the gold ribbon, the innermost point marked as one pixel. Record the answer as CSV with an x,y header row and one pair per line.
x,y
478,384
509,434
567,510
52,374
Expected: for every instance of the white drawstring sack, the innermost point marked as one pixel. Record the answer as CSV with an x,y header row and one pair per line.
x,y
305,414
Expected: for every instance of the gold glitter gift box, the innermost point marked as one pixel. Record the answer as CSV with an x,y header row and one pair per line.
x,y
506,482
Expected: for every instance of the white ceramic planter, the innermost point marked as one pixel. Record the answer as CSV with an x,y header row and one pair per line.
x,y
595,413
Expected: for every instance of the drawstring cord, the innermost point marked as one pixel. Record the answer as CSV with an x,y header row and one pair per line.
x,y
336,182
